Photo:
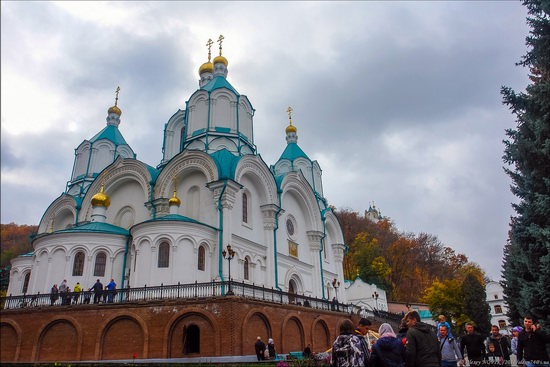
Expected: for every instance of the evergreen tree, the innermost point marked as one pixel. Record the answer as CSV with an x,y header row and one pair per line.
x,y
526,267
475,304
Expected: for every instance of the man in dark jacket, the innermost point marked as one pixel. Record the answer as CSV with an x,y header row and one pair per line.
x,y
422,344
473,344
532,344
259,347
501,344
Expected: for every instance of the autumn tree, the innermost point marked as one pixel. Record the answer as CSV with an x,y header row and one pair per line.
x,y
526,267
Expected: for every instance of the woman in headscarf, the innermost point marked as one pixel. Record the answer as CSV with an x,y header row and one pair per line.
x,y
388,351
271,348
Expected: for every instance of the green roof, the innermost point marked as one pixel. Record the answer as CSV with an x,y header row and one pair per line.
x,y
226,163
96,227
111,133
217,83
293,151
177,218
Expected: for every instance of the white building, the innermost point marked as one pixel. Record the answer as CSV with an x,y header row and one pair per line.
x,y
142,225
367,296
499,308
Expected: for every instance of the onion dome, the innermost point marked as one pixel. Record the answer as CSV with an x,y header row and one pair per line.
x,y
220,59
101,199
291,129
207,67
174,200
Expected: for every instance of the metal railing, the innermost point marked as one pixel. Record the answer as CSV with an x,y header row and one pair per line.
x,y
173,292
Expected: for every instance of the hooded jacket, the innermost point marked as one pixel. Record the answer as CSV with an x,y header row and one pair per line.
x,y
388,352
422,346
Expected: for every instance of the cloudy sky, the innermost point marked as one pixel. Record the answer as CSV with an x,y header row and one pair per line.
x,y
398,101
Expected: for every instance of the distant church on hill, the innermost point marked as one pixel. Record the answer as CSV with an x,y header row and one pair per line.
x,y
140,225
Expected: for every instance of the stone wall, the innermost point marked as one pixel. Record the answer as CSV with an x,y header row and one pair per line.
x,y
206,327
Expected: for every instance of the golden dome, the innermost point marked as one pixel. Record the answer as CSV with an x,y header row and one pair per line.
x,y
101,199
291,129
115,109
221,59
207,67
174,200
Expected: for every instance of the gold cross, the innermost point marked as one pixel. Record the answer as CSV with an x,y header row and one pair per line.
x,y
289,111
209,44
116,99
220,40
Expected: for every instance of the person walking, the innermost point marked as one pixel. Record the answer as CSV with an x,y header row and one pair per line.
x,y
514,345
532,344
77,290
54,294
63,290
422,344
450,351
471,344
348,350
388,351
259,347
501,345
98,289
271,348
111,289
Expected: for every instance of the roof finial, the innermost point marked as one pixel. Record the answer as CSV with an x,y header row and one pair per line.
x,y
289,111
209,44
116,98
220,40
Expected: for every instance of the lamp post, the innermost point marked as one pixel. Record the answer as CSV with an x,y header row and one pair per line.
x,y
336,284
230,254
375,295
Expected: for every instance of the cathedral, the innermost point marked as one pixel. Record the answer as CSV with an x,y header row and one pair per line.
x,y
140,225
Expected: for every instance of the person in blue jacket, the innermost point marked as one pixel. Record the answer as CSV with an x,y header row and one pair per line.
x,y
388,351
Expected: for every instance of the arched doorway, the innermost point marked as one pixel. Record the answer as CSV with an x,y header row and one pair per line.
x,y
191,339
292,291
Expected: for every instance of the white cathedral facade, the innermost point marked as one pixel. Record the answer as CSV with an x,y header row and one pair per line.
x,y
140,225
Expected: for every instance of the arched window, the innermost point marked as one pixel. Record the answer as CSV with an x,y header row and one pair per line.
x,y
78,265
246,276
99,267
498,309
26,282
202,258
245,208
164,255
191,339
182,137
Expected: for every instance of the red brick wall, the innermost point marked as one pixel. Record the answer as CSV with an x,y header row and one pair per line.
x,y
228,326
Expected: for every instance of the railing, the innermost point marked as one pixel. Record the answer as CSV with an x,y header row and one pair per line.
x,y
172,292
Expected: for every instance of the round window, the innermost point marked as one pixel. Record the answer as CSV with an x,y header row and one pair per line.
x,y
289,227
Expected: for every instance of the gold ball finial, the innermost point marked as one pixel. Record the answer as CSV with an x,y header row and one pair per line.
x,y
101,198
115,108
174,200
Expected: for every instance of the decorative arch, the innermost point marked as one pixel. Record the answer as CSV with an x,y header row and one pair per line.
x,y
10,334
320,335
292,328
126,323
295,184
255,323
63,204
64,328
255,168
174,332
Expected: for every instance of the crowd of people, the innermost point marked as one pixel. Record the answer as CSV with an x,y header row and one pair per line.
x,y
419,344
100,293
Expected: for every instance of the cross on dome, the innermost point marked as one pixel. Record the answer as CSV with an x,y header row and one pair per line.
x,y
220,40
209,44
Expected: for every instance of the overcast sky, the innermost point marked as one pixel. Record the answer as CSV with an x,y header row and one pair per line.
x,y
399,102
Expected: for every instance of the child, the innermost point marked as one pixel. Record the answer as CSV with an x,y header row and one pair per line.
x,y
443,321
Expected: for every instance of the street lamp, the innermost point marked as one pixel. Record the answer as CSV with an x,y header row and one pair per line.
x,y
375,295
230,254
336,284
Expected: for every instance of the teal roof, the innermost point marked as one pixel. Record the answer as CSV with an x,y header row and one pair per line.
x,y
226,163
293,151
153,171
96,227
217,83
177,218
111,133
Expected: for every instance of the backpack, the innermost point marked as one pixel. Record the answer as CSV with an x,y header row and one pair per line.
x,y
266,352
342,353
